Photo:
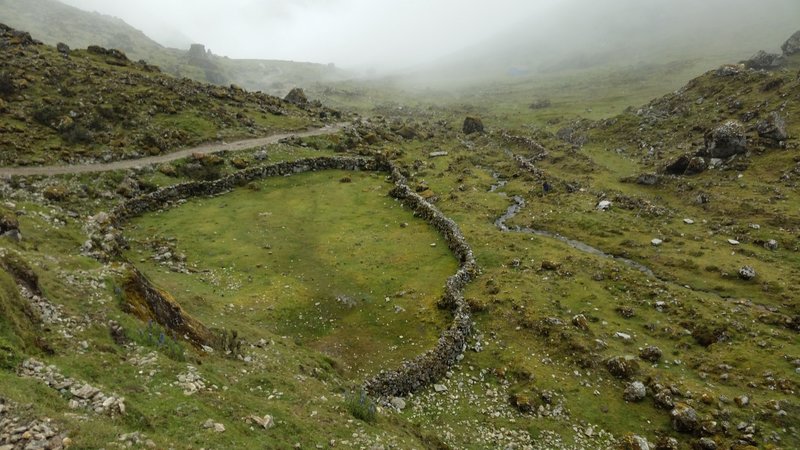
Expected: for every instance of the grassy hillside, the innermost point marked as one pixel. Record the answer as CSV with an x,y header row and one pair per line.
x,y
52,22
96,104
624,301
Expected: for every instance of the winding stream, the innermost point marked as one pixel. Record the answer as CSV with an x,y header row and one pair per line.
x,y
517,206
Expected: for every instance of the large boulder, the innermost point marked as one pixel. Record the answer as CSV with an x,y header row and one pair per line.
x,y
773,128
686,165
635,392
9,225
792,45
296,97
623,367
764,60
726,140
472,125
684,418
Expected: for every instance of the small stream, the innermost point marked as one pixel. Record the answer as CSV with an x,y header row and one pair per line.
x,y
517,206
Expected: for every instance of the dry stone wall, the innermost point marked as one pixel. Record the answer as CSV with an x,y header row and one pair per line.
x,y
411,375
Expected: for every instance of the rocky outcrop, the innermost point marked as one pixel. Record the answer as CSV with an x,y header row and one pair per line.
x,y
296,97
792,45
726,140
686,165
148,302
472,125
764,61
773,128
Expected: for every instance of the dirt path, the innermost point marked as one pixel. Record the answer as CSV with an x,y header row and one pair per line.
x,y
140,162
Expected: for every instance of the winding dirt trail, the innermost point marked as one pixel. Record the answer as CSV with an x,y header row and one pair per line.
x,y
234,146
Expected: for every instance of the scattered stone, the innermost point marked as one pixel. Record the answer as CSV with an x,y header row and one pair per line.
x,y
688,221
80,395
726,140
398,403
603,205
771,244
472,125
747,273
650,353
742,401
667,443
439,388
733,242
635,392
580,322
216,426
648,179
684,418
656,242
705,443
623,336
191,381
437,154
260,155
265,422
633,442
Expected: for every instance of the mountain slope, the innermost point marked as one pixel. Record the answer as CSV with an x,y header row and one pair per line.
x,y
82,105
54,22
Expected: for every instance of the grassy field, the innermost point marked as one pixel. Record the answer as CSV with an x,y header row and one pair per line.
x,y
339,266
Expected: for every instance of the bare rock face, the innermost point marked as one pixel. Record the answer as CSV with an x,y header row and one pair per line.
x,y
792,45
472,125
726,140
296,97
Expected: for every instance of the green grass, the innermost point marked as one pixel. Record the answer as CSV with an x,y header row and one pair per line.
x,y
281,254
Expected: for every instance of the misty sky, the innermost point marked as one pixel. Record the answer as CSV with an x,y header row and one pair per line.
x,y
347,32
393,34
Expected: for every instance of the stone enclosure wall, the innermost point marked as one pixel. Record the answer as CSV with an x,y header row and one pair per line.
x,y
411,375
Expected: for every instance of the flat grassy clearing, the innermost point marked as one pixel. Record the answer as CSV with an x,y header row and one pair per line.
x,y
338,266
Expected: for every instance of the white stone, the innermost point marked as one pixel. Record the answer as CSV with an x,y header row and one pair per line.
x,y
603,205
733,242
439,388
688,221
398,403
656,242
623,336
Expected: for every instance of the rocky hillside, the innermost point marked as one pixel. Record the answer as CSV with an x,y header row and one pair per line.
x,y
71,106
52,22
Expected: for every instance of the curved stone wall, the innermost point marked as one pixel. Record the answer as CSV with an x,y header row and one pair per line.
x,y
411,375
